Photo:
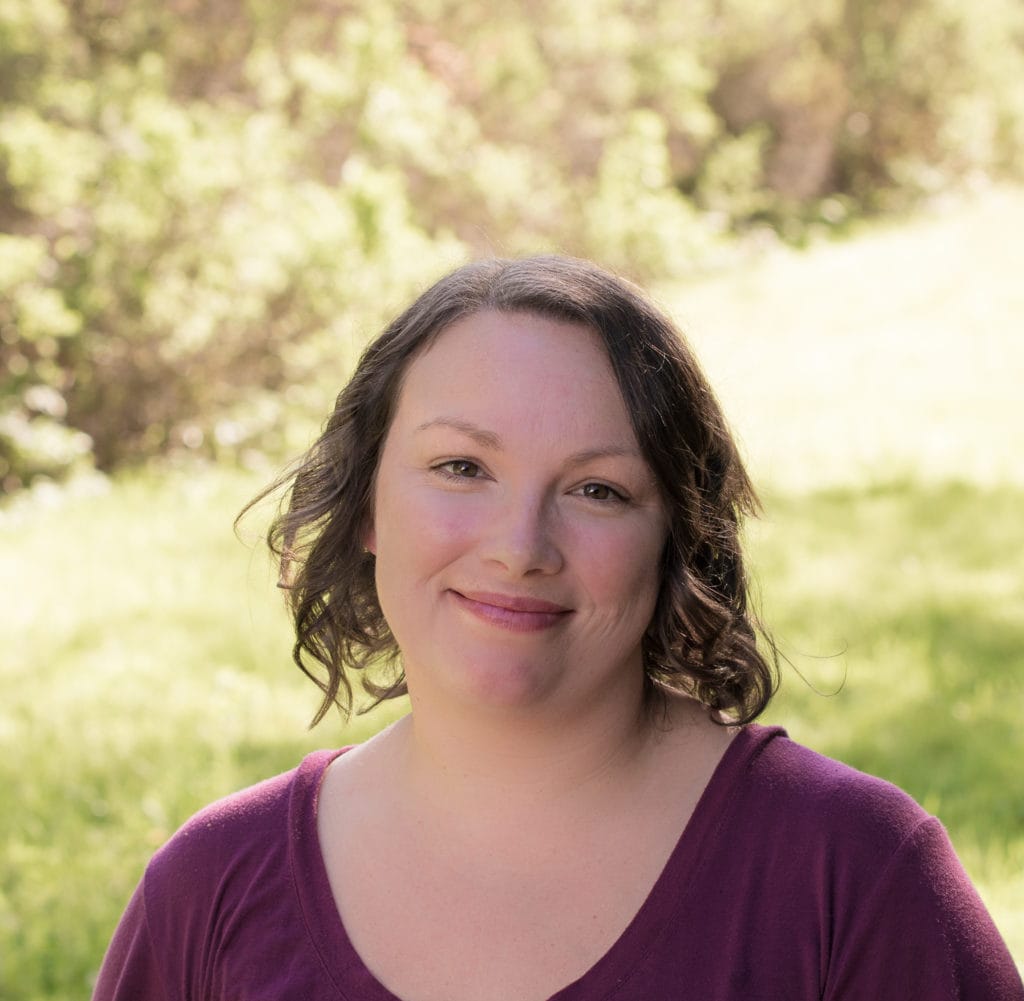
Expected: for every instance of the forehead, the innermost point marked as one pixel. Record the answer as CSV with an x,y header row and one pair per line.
x,y
520,338
531,370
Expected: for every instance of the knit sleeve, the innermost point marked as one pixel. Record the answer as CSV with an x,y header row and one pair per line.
x,y
131,967
921,931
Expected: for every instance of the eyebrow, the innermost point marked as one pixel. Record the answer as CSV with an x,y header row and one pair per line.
x,y
488,439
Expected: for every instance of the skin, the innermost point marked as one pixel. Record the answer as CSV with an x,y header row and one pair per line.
x,y
532,577
517,532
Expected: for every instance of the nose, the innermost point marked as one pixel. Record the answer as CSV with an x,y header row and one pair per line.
x,y
523,538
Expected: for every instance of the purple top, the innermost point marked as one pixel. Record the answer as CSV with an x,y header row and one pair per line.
x,y
797,878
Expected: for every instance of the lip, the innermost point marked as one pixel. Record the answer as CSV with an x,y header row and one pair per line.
x,y
517,613
512,602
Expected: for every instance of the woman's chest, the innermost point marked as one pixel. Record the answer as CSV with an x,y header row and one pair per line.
x,y
434,923
430,926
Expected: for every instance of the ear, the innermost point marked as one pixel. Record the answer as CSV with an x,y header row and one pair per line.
x,y
370,539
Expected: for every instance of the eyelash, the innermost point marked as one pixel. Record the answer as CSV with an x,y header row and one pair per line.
x,y
615,496
445,470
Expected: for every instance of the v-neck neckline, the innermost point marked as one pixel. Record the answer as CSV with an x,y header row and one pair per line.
x,y
355,982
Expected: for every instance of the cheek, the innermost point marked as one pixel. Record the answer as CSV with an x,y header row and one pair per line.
x,y
420,528
625,569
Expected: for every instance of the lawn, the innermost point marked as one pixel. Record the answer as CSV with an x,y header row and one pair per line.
x,y
146,664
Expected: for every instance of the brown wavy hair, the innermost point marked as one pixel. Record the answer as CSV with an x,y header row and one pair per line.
x,y
703,637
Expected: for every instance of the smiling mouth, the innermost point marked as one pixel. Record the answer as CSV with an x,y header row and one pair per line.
x,y
512,612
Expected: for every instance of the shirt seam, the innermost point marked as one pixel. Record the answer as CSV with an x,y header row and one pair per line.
x,y
291,822
147,926
880,882
765,741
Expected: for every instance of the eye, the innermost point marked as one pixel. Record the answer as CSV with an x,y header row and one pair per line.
x,y
601,492
458,469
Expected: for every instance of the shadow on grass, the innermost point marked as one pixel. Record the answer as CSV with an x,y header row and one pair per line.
x,y
921,589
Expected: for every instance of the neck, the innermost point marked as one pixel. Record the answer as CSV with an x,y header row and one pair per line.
x,y
493,765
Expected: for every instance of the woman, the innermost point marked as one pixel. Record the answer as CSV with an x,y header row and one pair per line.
x,y
524,511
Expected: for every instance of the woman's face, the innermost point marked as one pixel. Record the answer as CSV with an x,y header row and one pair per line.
x,y
517,528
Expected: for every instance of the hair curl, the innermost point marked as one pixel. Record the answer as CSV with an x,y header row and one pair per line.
x,y
702,639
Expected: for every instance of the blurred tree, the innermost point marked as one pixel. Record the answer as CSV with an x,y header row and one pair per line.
x,y
185,239
203,202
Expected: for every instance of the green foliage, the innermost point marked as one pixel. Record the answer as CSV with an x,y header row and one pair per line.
x,y
181,259
642,221
207,208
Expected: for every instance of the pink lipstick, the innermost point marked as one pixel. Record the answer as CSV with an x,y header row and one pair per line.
x,y
516,613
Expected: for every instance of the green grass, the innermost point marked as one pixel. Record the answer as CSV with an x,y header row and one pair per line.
x,y
146,670
146,660
901,609
894,354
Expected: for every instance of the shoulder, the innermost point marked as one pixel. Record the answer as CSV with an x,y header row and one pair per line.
x,y
869,875
797,787
245,815
225,843
218,905
831,835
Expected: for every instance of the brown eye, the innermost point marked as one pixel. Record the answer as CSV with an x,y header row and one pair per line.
x,y
601,492
461,469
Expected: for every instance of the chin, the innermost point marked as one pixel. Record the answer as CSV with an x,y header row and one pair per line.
x,y
502,683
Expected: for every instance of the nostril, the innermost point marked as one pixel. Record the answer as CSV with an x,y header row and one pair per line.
x,y
523,541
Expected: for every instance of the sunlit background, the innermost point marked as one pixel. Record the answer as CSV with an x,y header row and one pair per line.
x,y
207,206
